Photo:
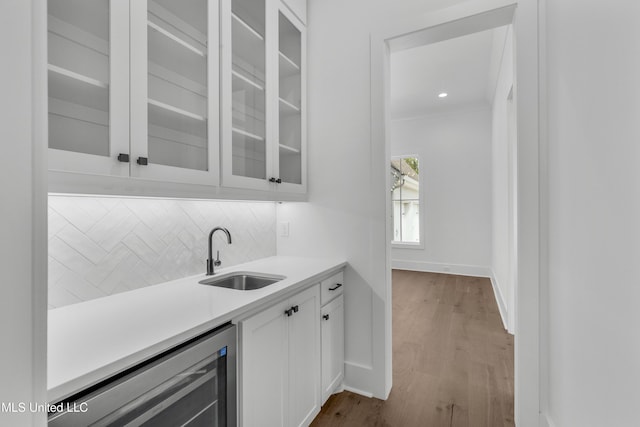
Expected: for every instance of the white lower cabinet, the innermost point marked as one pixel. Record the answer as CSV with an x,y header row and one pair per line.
x,y
332,327
280,365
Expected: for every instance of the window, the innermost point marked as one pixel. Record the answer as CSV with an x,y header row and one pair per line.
x,y
405,199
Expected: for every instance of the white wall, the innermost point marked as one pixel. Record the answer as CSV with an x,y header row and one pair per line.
x,y
502,161
344,216
22,210
455,177
594,212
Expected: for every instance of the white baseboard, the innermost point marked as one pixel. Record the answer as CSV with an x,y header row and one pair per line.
x,y
435,267
502,304
356,391
357,378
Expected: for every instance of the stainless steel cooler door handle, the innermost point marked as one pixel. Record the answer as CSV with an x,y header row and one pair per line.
x,y
155,392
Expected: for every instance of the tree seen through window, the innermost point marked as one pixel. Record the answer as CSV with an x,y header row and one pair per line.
x,y
405,197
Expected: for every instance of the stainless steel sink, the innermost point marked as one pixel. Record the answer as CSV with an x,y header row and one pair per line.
x,y
242,280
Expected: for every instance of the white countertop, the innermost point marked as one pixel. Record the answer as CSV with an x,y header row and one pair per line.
x,y
91,341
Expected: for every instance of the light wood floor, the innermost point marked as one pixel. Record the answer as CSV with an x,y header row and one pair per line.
x,y
452,359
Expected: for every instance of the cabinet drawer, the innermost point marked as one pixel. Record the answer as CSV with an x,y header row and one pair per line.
x,y
331,288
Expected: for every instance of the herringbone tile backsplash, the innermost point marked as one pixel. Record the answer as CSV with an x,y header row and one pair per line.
x,y
100,246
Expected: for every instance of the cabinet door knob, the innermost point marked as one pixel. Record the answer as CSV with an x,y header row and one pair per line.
x,y
294,308
272,179
143,161
123,157
335,287
325,316
278,181
289,312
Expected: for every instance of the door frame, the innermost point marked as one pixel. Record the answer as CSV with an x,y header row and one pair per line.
x,y
466,18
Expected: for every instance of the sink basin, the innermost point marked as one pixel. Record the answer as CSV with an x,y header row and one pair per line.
x,y
242,280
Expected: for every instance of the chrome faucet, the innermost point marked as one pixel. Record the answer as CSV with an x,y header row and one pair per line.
x,y
211,263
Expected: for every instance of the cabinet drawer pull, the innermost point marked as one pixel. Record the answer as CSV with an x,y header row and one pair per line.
x,y
325,316
123,157
335,287
143,161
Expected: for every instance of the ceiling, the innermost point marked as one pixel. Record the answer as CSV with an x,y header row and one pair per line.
x,y
465,67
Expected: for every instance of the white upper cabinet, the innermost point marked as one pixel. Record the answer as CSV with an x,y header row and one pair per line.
x,y
189,98
134,89
88,73
174,90
264,101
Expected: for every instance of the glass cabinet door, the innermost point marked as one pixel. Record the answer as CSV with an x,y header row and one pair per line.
x,y
174,90
177,83
245,150
248,86
263,116
290,102
88,85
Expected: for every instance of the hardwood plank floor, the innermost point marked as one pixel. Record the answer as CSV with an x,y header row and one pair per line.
x,y
452,359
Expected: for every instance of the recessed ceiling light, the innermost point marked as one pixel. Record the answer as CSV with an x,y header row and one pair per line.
x,y
443,95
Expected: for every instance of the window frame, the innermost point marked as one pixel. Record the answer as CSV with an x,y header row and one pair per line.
x,y
395,244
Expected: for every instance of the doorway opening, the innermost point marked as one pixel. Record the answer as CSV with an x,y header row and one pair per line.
x,y
451,103
449,24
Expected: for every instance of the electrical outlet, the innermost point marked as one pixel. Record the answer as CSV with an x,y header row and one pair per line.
x,y
284,228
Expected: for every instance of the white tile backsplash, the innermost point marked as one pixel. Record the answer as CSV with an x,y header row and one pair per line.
x,y
100,246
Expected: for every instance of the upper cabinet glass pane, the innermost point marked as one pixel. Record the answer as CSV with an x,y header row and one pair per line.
x,y
78,55
177,83
290,101
248,71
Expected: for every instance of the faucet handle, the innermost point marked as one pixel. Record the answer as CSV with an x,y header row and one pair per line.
x,y
217,262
